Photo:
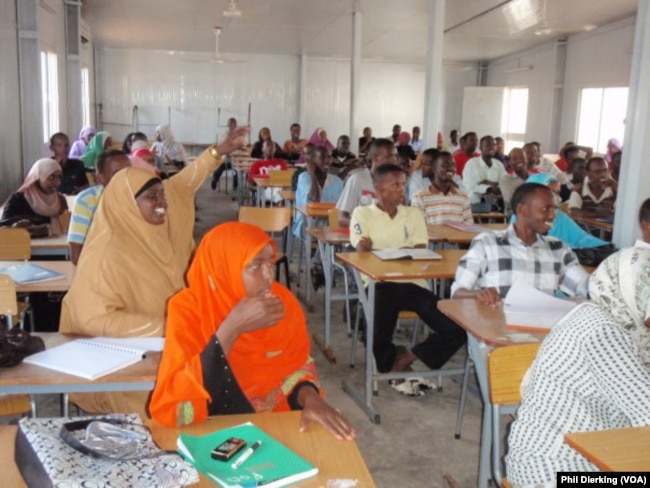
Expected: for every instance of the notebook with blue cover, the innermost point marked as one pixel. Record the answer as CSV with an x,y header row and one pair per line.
x,y
272,465
30,273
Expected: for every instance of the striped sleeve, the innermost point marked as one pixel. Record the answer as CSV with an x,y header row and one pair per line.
x,y
82,214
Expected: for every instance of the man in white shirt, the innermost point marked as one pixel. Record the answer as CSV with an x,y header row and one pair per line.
x,y
416,142
359,188
511,181
483,173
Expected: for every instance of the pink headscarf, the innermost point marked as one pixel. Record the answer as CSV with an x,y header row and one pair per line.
x,y
318,142
47,204
404,138
86,131
618,147
138,162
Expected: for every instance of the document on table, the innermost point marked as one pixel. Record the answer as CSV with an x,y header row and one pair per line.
x,y
527,308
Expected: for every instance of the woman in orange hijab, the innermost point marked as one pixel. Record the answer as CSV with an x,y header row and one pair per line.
x,y
236,340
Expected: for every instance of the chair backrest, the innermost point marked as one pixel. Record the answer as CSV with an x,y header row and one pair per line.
x,y
272,219
333,218
15,244
506,368
265,167
281,178
8,302
65,221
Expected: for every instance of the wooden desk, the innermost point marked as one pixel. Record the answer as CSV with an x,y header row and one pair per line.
x,y
242,163
485,326
491,216
335,459
30,379
616,449
51,246
446,233
594,223
66,268
378,270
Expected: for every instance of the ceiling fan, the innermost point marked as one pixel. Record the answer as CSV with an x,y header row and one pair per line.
x,y
217,58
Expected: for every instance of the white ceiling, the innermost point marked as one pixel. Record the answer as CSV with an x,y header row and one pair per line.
x,y
394,30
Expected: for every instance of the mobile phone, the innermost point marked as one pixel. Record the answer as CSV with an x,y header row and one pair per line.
x,y
227,449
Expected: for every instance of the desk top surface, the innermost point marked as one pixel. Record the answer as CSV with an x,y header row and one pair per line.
x,y
442,232
29,374
594,222
330,236
316,212
335,459
54,242
485,323
66,268
392,270
616,449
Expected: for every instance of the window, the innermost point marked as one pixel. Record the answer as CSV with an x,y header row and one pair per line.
x,y
601,116
515,112
85,97
50,94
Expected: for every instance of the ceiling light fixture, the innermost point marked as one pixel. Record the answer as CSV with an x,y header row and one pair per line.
x,y
518,69
231,10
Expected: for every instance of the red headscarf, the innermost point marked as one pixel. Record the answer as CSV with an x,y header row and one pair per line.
x,y
267,363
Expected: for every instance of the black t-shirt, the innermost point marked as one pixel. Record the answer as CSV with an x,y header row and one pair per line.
x,y
74,177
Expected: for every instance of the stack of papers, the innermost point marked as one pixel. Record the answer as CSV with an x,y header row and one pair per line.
x,y
529,309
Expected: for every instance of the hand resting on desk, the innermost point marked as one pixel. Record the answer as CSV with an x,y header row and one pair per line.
x,y
487,296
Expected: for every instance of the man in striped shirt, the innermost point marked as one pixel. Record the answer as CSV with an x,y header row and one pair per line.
x,y
521,254
442,200
85,205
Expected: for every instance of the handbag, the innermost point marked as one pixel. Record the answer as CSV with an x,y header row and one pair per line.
x,y
16,344
593,256
97,451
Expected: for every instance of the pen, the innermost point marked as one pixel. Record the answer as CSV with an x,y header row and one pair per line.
x,y
246,454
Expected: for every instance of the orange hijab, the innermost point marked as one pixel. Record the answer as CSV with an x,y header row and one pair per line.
x,y
262,361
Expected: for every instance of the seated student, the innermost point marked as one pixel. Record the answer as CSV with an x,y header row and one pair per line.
x,y
569,152
166,149
597,194
85,205
74,177
293,147
514,179
78,148
564,227
37,201
394,136
404,145
99,143
316,185
264,136
573,179
520,254
131,137
482,174
134,259
419,178
453,142
341,155
615,166
441,200
538,164
359,188
591,373
227,164
237,341
365,140
468,143
386,224
416,142
499,147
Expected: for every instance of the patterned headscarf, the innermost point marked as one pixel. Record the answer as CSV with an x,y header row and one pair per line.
x,y
621,286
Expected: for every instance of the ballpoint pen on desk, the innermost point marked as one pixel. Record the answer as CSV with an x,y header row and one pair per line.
x,y
246,454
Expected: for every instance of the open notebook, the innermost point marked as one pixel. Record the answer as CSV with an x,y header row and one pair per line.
x,y
94,358
395,253
527,308
272,465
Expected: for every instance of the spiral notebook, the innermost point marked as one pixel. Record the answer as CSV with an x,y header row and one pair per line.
x,y
90,358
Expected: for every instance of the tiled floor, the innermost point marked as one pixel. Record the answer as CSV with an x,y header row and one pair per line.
x,y
414,445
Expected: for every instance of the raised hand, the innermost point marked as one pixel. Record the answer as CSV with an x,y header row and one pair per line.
x,y
236,139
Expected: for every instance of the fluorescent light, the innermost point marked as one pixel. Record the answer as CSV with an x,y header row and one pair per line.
x,y
518,69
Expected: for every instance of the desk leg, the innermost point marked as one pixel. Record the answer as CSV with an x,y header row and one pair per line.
x,y
367,299
477,354
325,251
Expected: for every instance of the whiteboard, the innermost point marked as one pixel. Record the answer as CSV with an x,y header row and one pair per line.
x,y
483,110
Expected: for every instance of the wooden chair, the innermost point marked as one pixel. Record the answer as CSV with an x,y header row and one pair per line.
x,y
272,220
15,245
12,404
65,221
506,369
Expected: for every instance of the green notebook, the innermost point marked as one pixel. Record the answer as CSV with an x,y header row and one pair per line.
x,y
272,464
